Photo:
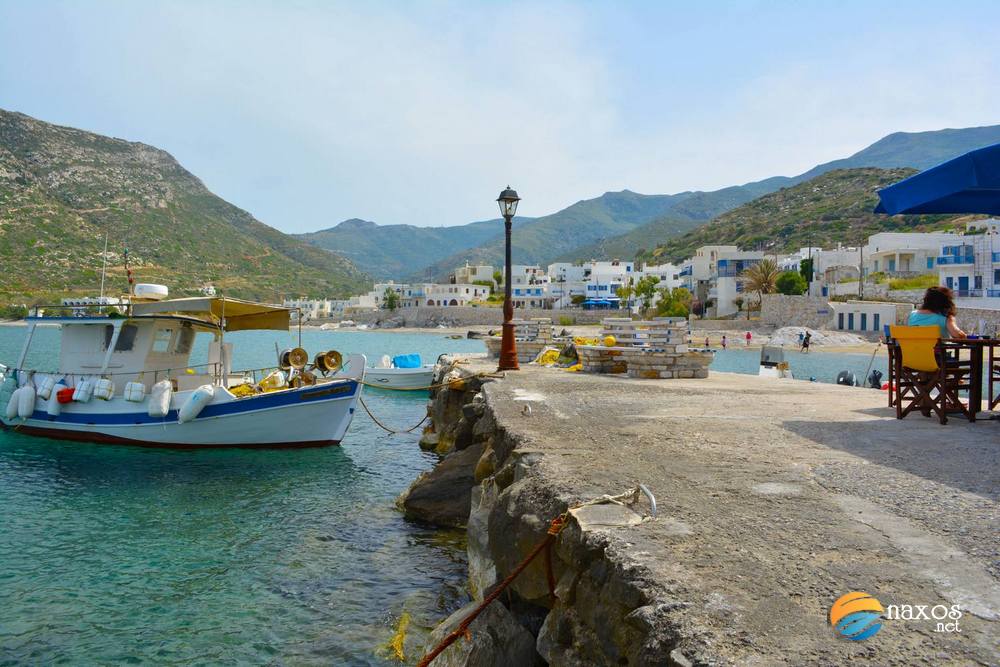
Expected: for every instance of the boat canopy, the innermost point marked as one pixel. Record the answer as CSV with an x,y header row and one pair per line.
x,y
229,314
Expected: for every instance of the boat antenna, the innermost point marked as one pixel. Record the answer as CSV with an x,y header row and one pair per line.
x,y
131,280
104,271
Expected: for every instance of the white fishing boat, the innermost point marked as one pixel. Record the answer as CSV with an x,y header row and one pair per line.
x,y
127,379
400,372
773,364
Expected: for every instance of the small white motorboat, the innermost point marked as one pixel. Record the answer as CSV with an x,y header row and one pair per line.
x,y
403,371
773,364
128,380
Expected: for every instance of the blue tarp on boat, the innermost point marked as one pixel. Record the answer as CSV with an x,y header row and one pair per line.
x,y
406,361
969,183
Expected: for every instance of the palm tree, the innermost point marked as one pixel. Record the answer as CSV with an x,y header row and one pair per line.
x,y
761,278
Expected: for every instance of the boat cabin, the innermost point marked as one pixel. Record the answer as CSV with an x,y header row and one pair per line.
x,y
155,340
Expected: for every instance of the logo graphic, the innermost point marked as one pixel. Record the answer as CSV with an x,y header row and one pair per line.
x,y
856,616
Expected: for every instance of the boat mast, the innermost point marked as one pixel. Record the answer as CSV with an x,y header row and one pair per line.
x,y
104,271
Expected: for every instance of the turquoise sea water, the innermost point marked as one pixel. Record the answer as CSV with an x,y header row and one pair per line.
x,y
113,555
824,366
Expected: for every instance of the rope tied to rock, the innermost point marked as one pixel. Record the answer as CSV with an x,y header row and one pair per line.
x,y
556,527
387,428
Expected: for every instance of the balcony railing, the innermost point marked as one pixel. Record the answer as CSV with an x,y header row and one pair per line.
x,y
953,259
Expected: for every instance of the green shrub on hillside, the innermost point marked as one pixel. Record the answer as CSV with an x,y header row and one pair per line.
x,y
791,282
915,282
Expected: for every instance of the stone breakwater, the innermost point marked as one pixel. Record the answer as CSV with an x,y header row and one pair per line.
x,y
463,316
775,498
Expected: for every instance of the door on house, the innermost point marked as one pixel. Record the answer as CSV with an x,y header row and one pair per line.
x,y
864,321
892,265
963,283
875,322
949,282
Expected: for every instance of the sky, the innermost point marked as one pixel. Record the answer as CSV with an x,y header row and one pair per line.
x,y
309,113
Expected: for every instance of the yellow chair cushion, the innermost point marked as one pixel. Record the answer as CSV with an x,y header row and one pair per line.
x,y
916,345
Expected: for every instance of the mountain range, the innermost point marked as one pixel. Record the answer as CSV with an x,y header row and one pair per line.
x,y
617,224
63,191
837,205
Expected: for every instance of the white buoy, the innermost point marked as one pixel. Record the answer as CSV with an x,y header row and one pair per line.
x,y
159,398
200,397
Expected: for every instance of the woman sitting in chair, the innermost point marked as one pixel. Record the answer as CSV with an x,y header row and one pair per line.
x,y
938,309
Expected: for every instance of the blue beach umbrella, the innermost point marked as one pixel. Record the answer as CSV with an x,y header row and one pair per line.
x,y
969,183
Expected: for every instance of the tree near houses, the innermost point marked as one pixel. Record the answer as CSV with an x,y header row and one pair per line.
x,y
790,282
390,299
498,277
673,302
625,293
761,278
806,269
738,302
645,289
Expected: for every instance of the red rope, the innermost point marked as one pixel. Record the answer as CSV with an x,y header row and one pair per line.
x,y
463,628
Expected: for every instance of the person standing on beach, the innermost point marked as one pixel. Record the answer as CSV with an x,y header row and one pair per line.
x,y
706,342
749,336
723,342
805,342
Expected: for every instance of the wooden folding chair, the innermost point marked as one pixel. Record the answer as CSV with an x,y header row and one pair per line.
x,y
927,378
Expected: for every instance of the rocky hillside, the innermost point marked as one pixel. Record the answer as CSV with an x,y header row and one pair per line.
x,y
398,251
916,150
62,189
835,207
588,222
616,224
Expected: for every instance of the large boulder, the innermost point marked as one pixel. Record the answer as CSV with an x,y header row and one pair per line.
x,y
442,496
495,640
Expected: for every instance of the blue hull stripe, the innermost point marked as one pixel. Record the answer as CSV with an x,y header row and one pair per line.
x,y
261,402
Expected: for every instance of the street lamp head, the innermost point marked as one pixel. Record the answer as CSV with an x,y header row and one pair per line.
x,y
508,202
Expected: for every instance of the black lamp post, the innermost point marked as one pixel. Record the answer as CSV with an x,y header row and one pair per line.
x,y
508,349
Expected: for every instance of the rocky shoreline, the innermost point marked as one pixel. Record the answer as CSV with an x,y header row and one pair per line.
x,y
488,482
775,499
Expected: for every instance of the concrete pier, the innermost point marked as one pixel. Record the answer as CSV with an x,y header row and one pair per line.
x,y
775,497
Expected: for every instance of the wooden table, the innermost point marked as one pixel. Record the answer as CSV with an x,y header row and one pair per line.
x,y
976,348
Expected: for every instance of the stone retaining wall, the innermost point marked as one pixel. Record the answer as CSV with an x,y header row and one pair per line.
x,y
742,324
782,310
666,362
459,316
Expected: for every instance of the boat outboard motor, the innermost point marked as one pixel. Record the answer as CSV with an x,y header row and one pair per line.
x,y
875,379
847,378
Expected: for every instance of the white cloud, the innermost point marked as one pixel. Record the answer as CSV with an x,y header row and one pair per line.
x,y
308,113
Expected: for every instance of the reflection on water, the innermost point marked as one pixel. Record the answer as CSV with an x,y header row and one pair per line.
x,y
120,554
